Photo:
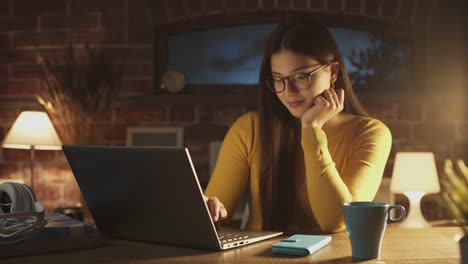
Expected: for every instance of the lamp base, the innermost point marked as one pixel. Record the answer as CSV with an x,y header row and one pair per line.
x,y
414,218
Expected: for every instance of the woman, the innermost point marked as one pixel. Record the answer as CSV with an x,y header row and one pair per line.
x,y
309,149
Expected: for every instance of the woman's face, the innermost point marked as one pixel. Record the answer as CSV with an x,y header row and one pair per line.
x,y
289,63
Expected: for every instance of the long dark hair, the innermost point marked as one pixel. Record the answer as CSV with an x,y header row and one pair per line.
x,y
280,132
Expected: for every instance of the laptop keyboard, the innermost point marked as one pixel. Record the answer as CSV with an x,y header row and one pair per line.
x,y
227,237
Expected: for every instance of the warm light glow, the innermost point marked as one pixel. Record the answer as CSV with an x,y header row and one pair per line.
x,y
32,128
415,172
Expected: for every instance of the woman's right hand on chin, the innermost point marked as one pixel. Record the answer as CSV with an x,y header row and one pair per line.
x,y
217,209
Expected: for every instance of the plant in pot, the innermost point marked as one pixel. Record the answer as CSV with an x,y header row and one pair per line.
x,y
455,196
77,90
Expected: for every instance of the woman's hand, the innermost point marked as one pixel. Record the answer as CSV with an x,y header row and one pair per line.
x,y
326,106
217,209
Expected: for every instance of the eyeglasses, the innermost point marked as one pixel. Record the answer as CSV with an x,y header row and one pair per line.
x,y
300,81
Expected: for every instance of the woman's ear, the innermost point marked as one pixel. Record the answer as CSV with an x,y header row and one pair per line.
x,y
335,70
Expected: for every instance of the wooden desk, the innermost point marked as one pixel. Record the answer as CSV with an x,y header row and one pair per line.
x,y
429,246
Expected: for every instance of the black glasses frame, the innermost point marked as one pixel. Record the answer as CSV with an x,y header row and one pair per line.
x,y
271,86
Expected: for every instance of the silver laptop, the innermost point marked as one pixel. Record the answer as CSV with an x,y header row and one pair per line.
x,y
150,194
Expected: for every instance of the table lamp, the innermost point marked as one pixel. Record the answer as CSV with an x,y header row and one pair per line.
x,y
415,174
32,130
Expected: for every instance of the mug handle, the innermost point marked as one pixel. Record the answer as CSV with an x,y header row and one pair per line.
x,y
402,216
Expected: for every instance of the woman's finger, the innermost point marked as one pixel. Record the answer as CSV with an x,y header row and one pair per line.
x,y
222,213
335,98
342,96
212,209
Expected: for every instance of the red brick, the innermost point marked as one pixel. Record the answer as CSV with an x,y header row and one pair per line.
x,y
137,69
98,37
233,6
18,23
132,53
136,88
18,88
317,4
409,112
268,4
24,71
299,4
72,193
105,6
372,6
399,130
204,132
114,132
283,4
17,56
47,191
175,10
441,150
334,5
182,114
157,11
213,6
45,155
423,12
251,108
194,7
76,21
8,116
4,8
389,8
113,22
220,114
381,111
8,170
39,7
251,4
440,112
434,131
354,6
139,30
406,10
462,132
48,173
140,115
461,151
65,37
4,41
34,39
4,71
16,154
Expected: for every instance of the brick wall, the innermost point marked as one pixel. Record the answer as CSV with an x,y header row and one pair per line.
x,y
429,118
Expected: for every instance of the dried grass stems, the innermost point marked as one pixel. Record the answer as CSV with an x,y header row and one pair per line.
x,y
77,92
455,191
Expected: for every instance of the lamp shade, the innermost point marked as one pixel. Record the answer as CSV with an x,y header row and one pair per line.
x,y
32,129
414,172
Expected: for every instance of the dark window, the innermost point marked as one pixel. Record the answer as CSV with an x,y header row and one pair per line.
x,y
232,55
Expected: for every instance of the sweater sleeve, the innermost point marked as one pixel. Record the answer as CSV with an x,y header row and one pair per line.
x,y
327,190
230,176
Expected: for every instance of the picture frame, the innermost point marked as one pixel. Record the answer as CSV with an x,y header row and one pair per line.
x,y
155,136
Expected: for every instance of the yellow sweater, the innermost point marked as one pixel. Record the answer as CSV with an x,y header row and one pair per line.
x,y
333,169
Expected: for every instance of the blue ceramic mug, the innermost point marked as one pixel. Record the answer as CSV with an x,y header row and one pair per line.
x,y
365,223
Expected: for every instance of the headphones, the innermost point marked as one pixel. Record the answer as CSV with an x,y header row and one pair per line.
x,y
20,213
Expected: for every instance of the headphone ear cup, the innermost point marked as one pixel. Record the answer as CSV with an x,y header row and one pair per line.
x,y
9,189
29,199
21,197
